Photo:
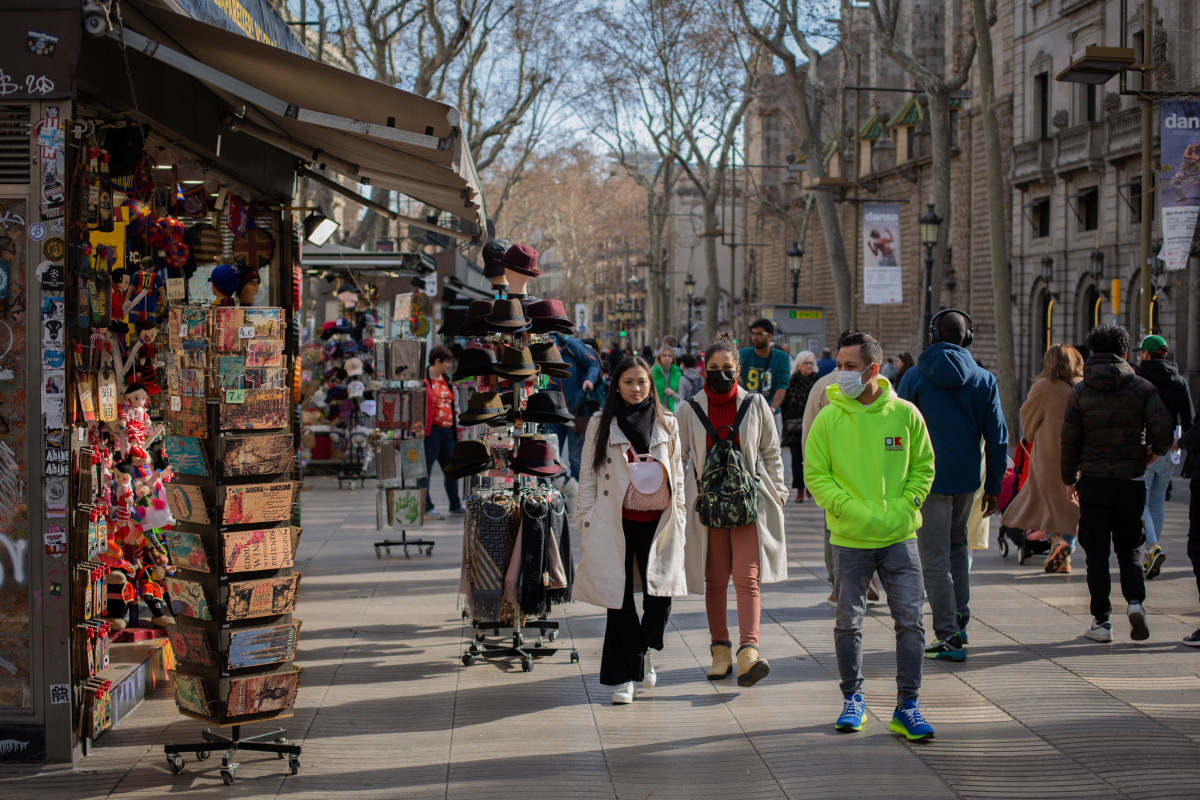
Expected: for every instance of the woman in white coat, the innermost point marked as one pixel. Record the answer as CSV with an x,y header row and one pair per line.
x,y
631,540
751,554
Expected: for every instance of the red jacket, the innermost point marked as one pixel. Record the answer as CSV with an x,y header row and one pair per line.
x,y
429,405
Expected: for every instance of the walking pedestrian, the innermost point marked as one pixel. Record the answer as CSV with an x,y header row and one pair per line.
x,y
736,494
630,509
667,375
1044,503
765,369
906,363
961,404
1114,427
691,381
441,428
792,412
1173,391
870,465
826,363
1190,441
577,392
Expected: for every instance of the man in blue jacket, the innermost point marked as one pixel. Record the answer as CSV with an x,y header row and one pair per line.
x,y
961,405
585,374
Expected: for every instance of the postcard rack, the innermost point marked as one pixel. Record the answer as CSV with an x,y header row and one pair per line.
x,y
397,504
234,587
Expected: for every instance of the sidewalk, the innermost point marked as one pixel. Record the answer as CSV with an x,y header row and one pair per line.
x,y
387,710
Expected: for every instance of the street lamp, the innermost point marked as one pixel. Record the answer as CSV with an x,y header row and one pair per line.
x,y
795,257
689,287
930,222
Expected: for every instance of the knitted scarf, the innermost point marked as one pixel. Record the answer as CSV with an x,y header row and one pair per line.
x,y
637,422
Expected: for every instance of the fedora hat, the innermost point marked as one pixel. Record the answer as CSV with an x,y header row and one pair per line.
x,y
476,313
475,361
549,316
547,356
493,252
547,407
452,319
469,457
534,457
523,259
516,364
484,407
506,317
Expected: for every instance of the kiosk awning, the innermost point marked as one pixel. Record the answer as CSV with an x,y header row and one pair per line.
x,y
369,131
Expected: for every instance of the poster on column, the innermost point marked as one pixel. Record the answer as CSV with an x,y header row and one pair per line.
x,y
883,283
1180,180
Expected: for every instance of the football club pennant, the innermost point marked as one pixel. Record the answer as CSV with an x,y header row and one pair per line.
x,y
192,202
237,216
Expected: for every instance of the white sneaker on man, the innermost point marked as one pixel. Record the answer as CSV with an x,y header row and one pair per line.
x,y
433,513
1099,631
1139,631
624,693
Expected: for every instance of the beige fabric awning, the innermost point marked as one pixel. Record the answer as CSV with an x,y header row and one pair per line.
x,y
373,133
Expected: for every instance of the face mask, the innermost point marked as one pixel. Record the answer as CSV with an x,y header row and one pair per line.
x,y
719,380
850,383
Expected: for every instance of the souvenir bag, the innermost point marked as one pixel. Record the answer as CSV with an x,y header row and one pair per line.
x,y
647,485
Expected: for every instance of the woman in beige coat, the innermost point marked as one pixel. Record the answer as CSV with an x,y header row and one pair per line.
x,y
630,543
1044,502
751,554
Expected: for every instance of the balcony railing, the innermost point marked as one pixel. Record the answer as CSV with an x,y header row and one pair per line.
x,y
1079,148
1124,132
1031,162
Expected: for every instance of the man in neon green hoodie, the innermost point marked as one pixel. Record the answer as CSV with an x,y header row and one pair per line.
x,y
869,464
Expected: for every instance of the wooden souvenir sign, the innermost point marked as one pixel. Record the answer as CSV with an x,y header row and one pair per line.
x,y
190,693
407,362
260,409
264,353
258,647
262,694
226,322
268,454
187,598
187,550
187,503
412,458
186,416
186,455
190,644
258,503
402,308
389,409
247,551
407,508
262,598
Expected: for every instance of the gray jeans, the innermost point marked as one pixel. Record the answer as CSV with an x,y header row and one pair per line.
x,y
899,569
945,560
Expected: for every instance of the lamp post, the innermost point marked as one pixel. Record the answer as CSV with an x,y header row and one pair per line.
x,y
795,257
689,287
930,222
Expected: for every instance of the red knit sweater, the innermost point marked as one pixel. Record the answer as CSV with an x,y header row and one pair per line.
x,y
722,409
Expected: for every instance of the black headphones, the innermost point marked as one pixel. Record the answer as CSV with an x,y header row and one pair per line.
x,y
935,335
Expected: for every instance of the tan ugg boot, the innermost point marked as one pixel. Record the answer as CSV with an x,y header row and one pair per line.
x,y
751,668
722,666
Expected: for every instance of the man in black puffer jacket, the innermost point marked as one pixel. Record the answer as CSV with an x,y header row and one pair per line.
x,y
1173,391
1115,426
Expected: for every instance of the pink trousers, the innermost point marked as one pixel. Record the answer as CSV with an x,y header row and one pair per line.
x,y
732,552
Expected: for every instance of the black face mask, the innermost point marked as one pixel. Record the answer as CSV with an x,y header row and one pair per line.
x,y
719,380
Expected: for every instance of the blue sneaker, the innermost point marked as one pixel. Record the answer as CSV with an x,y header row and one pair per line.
x,y
909,722
962,628
854,714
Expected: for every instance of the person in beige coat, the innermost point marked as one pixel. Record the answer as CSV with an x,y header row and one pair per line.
x,y
630,542
1044,502
751,554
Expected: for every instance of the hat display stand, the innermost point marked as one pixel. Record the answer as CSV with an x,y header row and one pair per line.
x,y
514,513
400,429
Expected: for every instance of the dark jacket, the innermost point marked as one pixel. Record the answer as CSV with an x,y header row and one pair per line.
x,y
1172,389
1111,416
961,404
585,367
794,403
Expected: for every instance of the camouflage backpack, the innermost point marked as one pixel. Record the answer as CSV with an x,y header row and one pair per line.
x,y
727,491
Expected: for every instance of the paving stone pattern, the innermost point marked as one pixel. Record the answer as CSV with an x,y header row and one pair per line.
x,y
387,710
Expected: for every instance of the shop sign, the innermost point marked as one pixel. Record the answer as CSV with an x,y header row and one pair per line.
x,y
254,19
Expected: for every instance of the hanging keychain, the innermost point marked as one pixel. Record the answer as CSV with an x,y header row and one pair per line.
x,y
106,386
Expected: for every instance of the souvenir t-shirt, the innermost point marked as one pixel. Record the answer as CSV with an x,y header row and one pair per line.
x,y
443,404
765,375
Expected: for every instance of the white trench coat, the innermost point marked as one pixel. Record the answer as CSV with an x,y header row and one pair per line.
x,y
759,443
600,579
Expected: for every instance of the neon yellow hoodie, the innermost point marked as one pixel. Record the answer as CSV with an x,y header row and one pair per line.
x,y
869,467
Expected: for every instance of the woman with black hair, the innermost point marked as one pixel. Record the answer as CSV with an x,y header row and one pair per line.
x,y
630,511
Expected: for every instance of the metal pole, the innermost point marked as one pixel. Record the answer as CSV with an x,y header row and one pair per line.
x,y
795,287
1147,165
689,302
928,285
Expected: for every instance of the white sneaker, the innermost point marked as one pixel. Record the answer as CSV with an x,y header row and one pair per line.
x,y
1099,631
624,693
1139,632
433,513
651,678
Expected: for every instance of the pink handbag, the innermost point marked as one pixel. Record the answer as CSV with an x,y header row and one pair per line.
x,y
647,485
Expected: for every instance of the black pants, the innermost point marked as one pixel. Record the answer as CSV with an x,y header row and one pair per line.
x,y
797,466
1110,513
626,639
1193,540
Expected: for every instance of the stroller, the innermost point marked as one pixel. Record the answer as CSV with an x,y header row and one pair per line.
x,y
1028,543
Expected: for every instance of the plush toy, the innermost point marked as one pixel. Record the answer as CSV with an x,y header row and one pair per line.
x,y
144,354
134,418
144,304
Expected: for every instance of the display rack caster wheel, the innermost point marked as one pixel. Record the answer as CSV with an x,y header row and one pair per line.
x,y
527,665
281,740
294,764
474,649
175,762
429,551
377,554
406,553
203,755
468,659
479,637
227,776
553,635
574,656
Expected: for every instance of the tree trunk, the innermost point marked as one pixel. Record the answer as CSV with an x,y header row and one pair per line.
x,y
1006,373
835,247
712,296
939,135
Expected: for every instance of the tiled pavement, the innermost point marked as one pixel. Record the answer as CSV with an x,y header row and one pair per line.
x,y
387,710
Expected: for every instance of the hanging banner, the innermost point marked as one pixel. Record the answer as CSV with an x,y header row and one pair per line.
x,y
1180,180
882,279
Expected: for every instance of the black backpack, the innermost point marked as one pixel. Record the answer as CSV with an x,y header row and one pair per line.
x,y
727,491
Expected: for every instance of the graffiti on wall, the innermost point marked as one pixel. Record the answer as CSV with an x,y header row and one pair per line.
x,y
15,552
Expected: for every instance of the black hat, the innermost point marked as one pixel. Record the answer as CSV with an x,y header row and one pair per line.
x,y
452,319
534,457
507,317
493,251
487,407
477,312
475,361
547,407
547,356
469,457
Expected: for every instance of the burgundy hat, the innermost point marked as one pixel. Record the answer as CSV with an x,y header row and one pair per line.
x,y
549,316
534,458
523,259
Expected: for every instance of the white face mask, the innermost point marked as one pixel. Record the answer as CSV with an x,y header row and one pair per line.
x,y
850,383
